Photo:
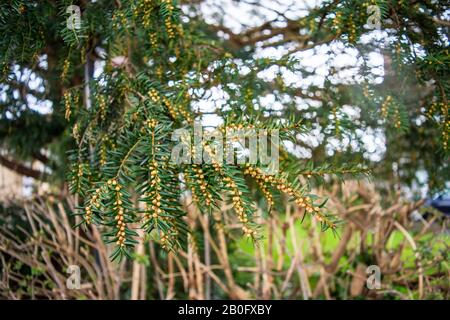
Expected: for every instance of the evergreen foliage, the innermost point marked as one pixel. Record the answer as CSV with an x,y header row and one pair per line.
x,y
160,62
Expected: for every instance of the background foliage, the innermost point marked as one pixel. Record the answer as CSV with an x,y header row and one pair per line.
x,y
96,106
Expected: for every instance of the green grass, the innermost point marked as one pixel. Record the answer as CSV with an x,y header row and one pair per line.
x,y
329,242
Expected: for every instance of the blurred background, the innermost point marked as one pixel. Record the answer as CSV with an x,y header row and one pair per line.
x,y
389,81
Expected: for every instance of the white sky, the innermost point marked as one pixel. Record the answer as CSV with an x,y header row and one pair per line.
x,y
238,15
